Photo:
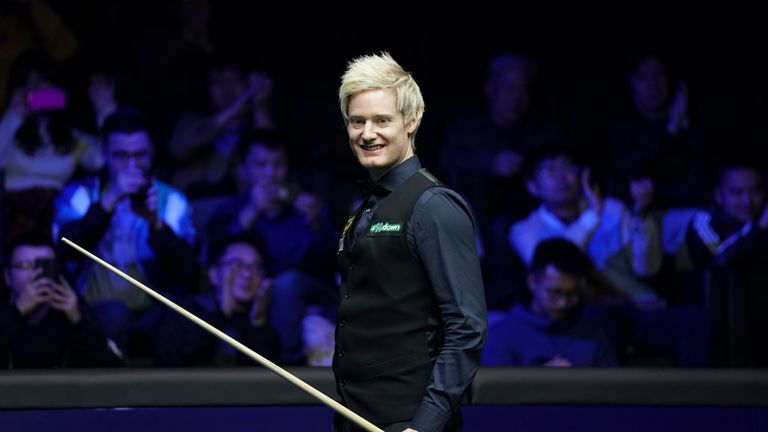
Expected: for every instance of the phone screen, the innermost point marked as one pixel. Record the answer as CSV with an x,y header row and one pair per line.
x,y
46,99
50,268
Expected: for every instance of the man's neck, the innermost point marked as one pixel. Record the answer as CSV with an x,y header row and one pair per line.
x,y
566,213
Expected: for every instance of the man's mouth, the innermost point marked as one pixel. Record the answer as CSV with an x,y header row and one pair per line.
x,y
372,147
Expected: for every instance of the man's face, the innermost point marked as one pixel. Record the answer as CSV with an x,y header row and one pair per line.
x,y
128,151
508,95
240,268
225,86
377,131
650,85
556,181
22,264
264,165
554,293
741,194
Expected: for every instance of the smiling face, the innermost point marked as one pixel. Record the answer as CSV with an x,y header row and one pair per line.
x,y
740,193
378,134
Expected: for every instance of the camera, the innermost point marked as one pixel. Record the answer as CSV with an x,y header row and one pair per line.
x,y
139,198
139,201
50,268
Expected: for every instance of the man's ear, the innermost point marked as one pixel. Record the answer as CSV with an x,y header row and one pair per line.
x,y
412,125
531,280
533,188
213,276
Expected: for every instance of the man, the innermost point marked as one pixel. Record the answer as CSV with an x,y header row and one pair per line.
x,y
138,224
730,243
237,305
411,321
296,237
551,330
622,243
44,324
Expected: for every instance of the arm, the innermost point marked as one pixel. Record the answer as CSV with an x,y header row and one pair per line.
x,y
86,229
707,248
172,233
10,123
444,239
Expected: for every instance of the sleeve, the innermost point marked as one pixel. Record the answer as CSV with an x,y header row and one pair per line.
x,y
708,249
9,124
444,239
85,229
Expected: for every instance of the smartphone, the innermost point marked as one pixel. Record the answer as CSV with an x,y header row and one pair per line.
x,y
50,268
46,99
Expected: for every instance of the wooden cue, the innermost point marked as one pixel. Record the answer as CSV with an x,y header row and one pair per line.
x,y
339,408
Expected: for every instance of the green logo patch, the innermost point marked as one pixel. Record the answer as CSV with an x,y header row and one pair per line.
x,y
385,228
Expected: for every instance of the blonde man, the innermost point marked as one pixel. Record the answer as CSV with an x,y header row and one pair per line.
x,y
412,319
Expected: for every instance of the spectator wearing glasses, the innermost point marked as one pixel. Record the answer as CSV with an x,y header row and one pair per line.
x,y
623,243
43,323
237,305
550,330
132,220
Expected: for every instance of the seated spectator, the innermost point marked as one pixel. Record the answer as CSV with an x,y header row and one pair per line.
x,y
298,241
730,241
483,150
551,330
658,138
623,244
44,324
131,220
237,305
203,144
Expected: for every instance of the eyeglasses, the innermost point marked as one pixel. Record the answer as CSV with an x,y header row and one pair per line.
x,y
25,265
123,156
255,268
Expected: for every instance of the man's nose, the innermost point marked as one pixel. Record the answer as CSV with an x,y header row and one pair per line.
x,y
368,133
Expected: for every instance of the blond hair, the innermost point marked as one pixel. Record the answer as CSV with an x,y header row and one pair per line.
x,y
374,72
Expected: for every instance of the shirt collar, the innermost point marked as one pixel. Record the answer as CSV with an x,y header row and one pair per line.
x,y
400,173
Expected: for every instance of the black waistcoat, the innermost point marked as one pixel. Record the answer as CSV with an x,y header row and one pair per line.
x,y
387,331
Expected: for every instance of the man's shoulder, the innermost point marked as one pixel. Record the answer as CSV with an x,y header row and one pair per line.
x,y
80,190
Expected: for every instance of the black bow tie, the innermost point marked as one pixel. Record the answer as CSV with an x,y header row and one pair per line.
x,y
369,187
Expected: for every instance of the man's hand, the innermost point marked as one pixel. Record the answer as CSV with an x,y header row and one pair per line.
x,y
591,192
126,182
63,298
101,93
33,293
151,207
641,191
678,111
258,312
310,207
265,198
